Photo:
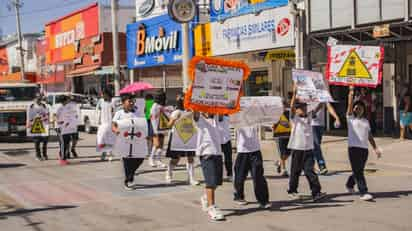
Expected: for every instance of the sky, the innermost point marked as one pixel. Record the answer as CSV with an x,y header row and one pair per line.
x,y
36,13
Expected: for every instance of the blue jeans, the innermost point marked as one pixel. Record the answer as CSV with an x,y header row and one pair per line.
x,y
317,141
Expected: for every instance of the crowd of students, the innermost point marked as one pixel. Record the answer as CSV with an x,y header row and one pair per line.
x,y
214,148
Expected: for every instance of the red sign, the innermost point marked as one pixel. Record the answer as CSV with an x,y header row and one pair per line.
x,y
62,33
283,27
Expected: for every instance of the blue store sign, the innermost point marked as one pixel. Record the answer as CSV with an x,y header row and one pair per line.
x,y
155,41
222,9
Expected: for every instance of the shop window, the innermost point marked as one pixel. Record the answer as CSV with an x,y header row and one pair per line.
x,y
258,84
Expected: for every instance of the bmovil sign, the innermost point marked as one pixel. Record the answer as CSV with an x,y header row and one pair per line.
x,y
155,41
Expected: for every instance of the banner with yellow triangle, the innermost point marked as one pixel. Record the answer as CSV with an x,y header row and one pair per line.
x,y
354,67
37,127
163,122
282,127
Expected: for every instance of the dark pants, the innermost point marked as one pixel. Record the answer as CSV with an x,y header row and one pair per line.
x,y
65,146
358,158
227,151
317,141
303,160
37,142
252,162
130,166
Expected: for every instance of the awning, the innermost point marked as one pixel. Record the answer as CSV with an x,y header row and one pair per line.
x,y
83,71
57,77
108,70
16,77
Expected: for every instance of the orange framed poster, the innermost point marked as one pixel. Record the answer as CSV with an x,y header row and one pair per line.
x,y
216,85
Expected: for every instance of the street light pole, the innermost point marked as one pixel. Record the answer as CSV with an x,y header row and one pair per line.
x,y
185,55
116,61
17,6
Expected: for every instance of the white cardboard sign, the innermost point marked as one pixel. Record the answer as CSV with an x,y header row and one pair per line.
x,y
131,141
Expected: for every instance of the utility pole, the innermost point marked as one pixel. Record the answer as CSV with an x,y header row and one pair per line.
x,y
17,6
116,61
185,55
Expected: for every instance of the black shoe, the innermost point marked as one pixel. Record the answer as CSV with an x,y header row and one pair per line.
x,y
323,171
278,167
319,196
45,157
74,153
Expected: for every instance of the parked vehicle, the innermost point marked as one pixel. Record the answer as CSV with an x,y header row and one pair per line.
x,y
15,98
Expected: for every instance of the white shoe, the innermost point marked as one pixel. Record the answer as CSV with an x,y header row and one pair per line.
x,y
265,206
294,196
151,163
194,182
203,203
366,197
241,202
350,190
215,214
159,164
110,158
168,179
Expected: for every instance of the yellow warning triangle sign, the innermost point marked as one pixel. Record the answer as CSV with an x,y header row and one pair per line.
x,y
185,129
353,67
37,127
283,126
163,121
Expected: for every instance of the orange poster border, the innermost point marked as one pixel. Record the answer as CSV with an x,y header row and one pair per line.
x,y
216,61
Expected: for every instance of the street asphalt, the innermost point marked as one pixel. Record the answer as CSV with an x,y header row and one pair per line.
x,y
87,194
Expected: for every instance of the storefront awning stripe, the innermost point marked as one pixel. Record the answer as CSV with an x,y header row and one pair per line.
x,y
83,71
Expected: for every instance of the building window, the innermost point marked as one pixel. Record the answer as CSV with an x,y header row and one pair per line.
x,y
258,84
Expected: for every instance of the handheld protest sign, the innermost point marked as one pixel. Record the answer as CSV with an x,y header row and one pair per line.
x,y
257,110
184,136
355,65
131,141
216,85
38,121
311,86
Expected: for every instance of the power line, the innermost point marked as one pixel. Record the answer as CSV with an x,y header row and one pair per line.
x,y
45,9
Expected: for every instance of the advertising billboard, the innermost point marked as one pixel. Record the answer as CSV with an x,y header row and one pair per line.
x,y
62,33
155,41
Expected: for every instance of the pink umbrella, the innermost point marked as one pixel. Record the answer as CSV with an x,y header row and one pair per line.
x,y
136,87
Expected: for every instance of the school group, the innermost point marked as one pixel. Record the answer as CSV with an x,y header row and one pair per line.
x,y
214,149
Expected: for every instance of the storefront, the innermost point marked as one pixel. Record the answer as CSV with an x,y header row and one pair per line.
x,y
367,22
264,40
92,69
154,52
81,42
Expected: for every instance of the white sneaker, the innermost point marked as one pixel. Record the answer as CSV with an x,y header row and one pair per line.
x,y
350,190
294,196
215,214
241,202
265,206
159,164
151,163
194,182
366,197
203,203
168,179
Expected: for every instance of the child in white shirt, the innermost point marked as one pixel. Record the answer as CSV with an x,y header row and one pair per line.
x,y
301,146
359,133
211,160
249,159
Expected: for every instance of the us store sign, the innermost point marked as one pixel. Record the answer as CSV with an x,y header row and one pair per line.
x,y
270,29
155,41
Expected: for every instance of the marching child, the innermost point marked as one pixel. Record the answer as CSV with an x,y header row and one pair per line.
x,y
175,154
301,146
249,159
211,160
130,164
359,133
283,140
158,135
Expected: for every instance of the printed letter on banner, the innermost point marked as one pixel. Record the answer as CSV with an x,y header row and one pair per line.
x,y
355,65
216,85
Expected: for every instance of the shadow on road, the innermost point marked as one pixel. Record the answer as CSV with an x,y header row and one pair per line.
x,y
23,212
11,165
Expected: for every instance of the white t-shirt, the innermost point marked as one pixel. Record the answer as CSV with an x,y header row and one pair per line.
x,y
209,139
121,115
106,110
224,128
358,132
154,118
319,119
301,136
247,140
